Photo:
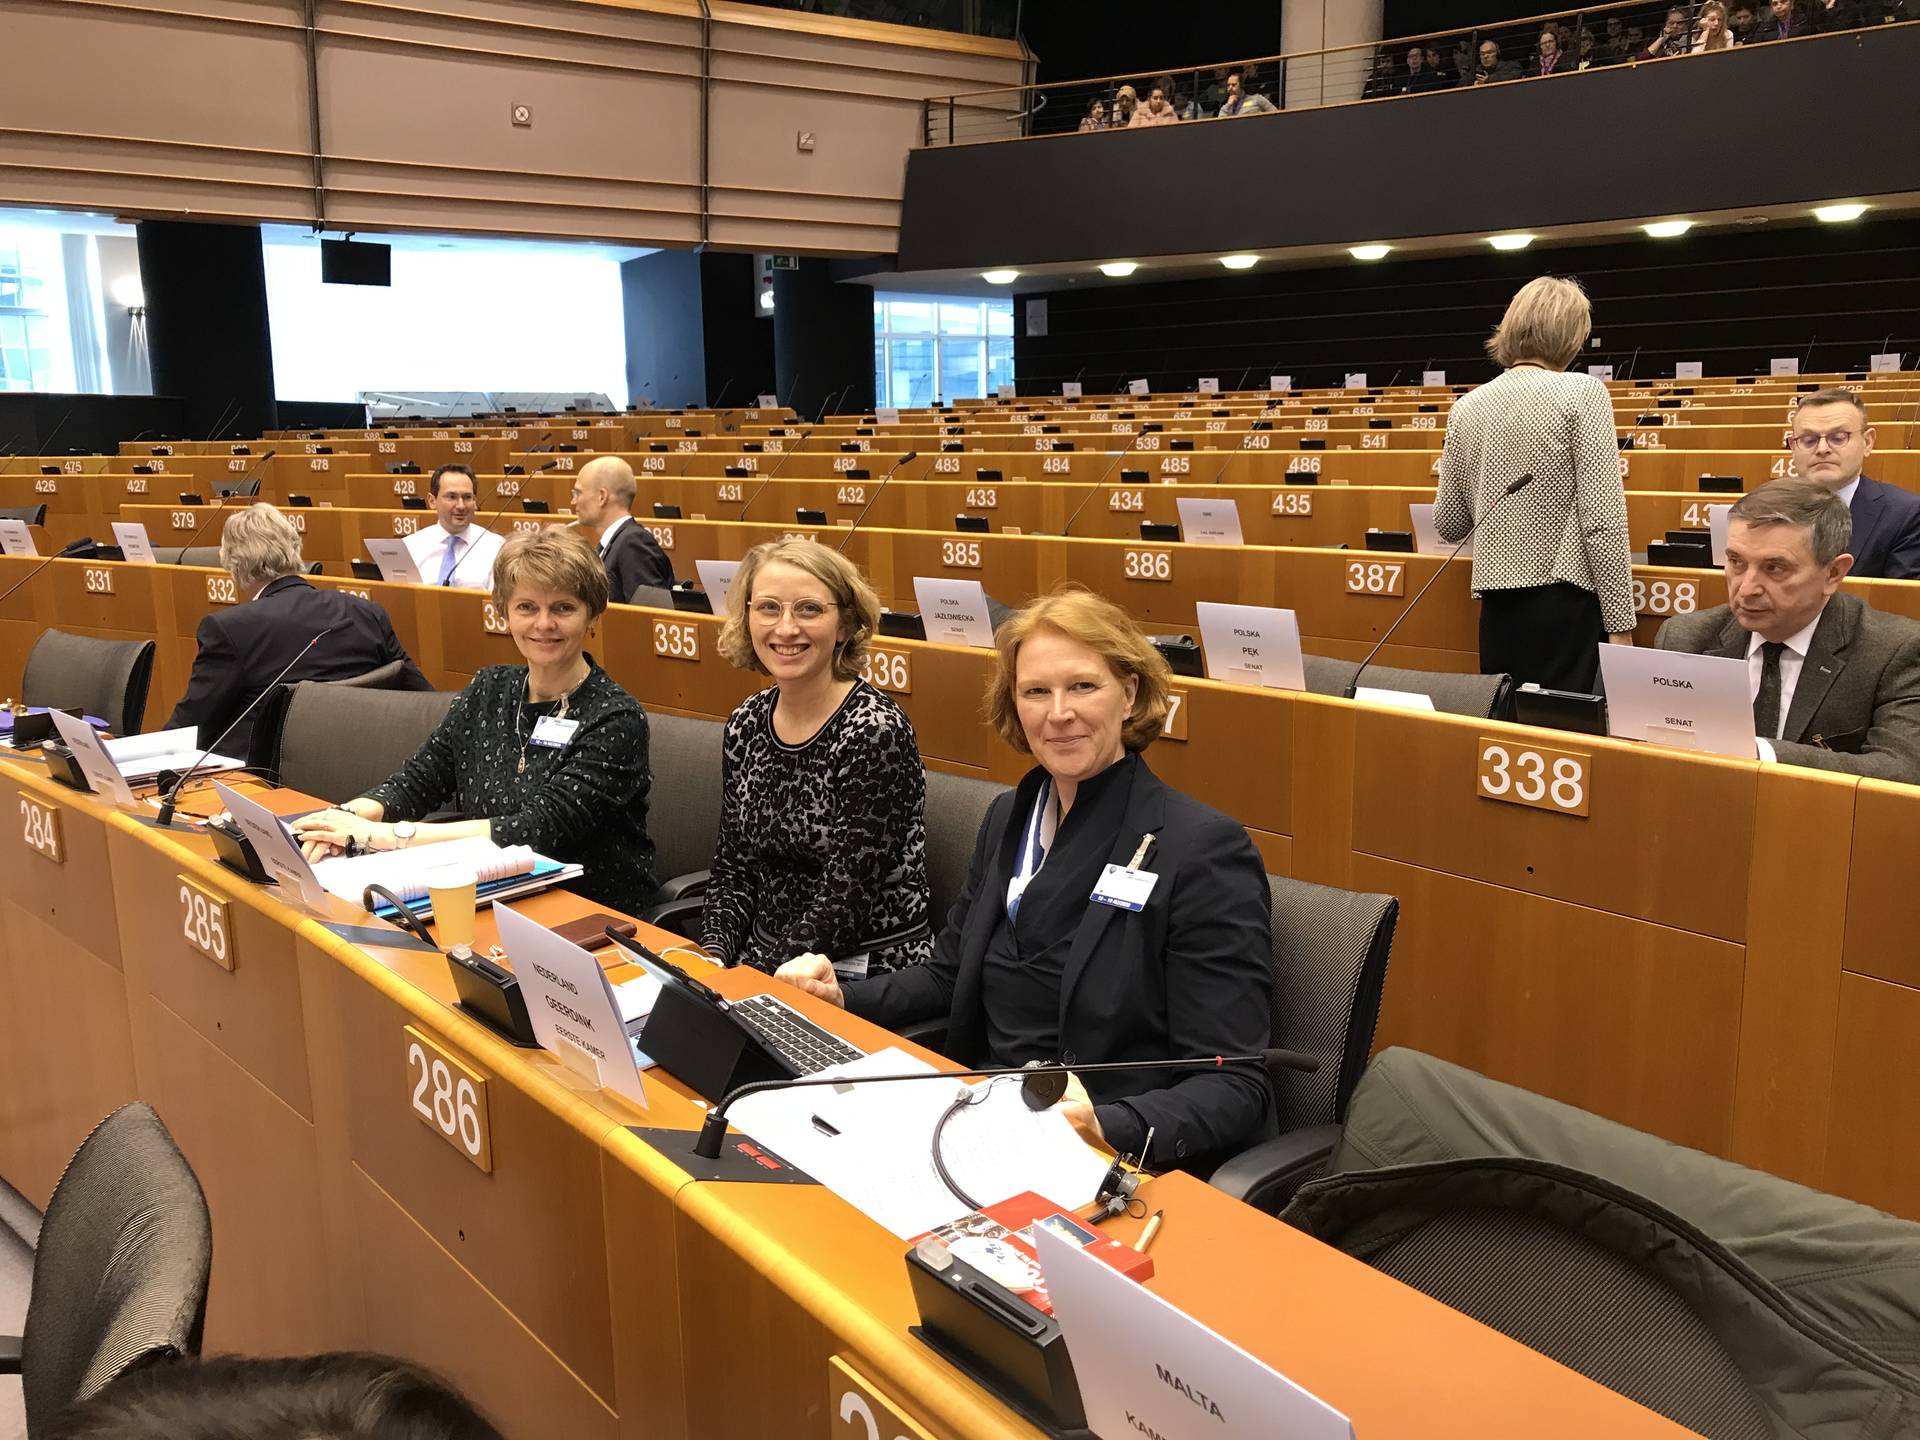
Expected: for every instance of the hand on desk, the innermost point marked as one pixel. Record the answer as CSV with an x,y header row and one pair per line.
x,y
326,832
813,974
1077,1106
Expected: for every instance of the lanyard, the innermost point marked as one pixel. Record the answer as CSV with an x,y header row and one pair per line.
x,y
1036,839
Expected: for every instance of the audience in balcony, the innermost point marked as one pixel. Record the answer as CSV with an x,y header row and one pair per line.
x,y
1238,102
1673,39
1589,48
1710,29
1492,69
1125,103
1157,111
1785,20
1550,59
1419,78
1096,116
1742,17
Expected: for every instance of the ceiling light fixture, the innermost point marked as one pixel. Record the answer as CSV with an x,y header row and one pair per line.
x,y
1369,252
999,277
1119,269
1837,214
1239,262
1668,229
1509,242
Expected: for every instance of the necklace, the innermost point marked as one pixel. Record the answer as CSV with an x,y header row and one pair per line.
x,y
520,725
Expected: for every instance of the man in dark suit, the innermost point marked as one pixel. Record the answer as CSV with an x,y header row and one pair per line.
x,y
603,494
1831,441
242,649
1785,20
1835,683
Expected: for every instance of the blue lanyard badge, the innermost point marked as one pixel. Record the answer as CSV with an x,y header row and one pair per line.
x,y
1127,887
1036,840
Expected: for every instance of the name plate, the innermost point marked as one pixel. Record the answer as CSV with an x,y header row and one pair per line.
x,y
205,923
1534,775
448,1096
40,828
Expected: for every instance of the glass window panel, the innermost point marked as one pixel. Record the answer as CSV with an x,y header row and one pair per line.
x,y
880,373
960,370
960,319
910,317
910,378
1000,317
999,364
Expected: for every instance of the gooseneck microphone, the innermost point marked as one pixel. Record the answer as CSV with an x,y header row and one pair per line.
x,y
486,528
1353,685
167,801
767,479
1068,527
46,445
910,455
1043,1084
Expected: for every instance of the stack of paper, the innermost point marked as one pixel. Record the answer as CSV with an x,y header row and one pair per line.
x,y
504,872
872,1145
141,757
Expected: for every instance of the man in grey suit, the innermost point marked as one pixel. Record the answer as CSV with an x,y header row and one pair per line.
x,y
1832,439
1835,684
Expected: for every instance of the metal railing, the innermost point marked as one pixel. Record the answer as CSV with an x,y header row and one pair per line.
x,y
1561,42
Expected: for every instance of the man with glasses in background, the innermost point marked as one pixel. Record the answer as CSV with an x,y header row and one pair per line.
x,y
1831,440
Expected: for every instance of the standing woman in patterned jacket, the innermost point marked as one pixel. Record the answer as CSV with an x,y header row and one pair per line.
x,y
1551,565
823,840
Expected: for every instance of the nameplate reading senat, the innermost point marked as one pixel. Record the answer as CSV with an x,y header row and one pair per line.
x,y
1174,727
888,670
676,639
205,923
1376,577
954,611
40,828
1252,645
1533,775
448,1096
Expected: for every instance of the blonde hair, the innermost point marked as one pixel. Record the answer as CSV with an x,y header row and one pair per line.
x,y
859,605
259,545
1549,319
613,475
1103,627
1726,30
559,557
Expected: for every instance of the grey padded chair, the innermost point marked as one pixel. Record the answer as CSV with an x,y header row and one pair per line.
x,y
957,807
340,738
233,488
683,814
32,514
1330,953
1485,696
654,597
205,556
107,678
270,720
120,1275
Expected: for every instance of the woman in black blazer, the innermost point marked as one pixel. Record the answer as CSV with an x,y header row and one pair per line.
x,y
1033,965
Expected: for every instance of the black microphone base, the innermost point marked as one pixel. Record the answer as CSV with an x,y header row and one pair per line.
x,y
740,1159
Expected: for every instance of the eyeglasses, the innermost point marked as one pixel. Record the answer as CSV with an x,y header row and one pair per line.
x,y
1809,440
805,612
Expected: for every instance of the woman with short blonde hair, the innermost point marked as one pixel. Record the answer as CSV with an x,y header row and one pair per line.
x,y
1106,916
823,839
1531,459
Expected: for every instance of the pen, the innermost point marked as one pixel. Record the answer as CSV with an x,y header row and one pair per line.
x,y
823,1127
1149,1230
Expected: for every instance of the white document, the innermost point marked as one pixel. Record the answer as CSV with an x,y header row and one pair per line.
x,y
278,852
405,872
1209,384
954,611
1399,699
1137,387
1209,522
1071,390
141,757
1252,645
886,415
395,561
1600,372
1717,521
1695,702
1279,384
636,997
1433,377
1687,370
1357,380
1146,1367
571,1005
716,578
1426,535
881,1161
131,537
16,539
769,402
1881,364
92,758
1785,365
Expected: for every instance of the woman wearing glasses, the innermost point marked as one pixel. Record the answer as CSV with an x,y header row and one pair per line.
x,y
822,848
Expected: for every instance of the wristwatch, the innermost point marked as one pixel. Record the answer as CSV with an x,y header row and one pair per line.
x,y
403,833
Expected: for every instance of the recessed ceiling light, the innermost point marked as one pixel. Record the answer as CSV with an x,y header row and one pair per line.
x,y
1667,229
1119,269
1509,242
1835,214
999,277
1369,252
1239,262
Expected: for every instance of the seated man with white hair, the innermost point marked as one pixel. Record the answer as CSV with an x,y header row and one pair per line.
x,y
242,648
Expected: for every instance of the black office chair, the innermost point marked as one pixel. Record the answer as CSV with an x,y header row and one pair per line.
x,y
232,489
386,726
120,1274
1488,697
1330,953
32,514
1738,1304
957,807
107,678
684,810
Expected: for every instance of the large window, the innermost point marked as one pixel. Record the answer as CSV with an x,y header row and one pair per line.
x,y
72,316
929,348
462,314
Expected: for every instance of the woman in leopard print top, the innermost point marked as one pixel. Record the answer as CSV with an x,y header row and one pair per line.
x,y
822,847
